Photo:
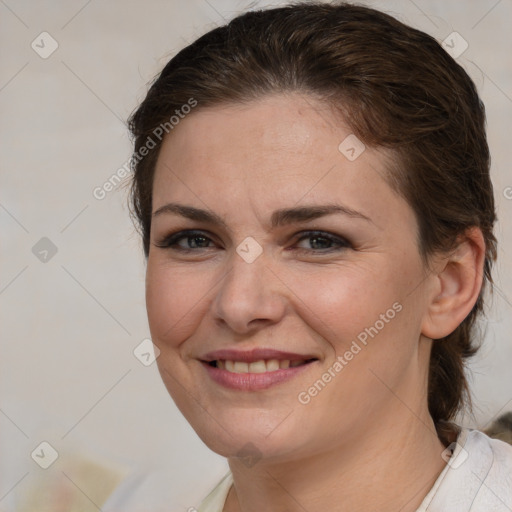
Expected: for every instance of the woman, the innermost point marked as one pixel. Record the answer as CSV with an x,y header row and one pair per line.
x,y
312,187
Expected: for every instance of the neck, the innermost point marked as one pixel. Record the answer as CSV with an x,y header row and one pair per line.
x,y
389,466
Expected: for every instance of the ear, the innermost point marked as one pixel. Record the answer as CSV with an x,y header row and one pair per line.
x,y
457,284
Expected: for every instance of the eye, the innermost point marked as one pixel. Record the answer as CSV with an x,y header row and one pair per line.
x,y
193,240
323,242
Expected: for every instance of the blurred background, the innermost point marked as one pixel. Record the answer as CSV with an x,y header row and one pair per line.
x,y
82,410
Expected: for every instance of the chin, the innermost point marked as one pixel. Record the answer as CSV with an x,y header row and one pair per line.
x,y
249,433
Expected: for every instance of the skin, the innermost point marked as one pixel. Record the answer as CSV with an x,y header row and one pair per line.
x,y
369,428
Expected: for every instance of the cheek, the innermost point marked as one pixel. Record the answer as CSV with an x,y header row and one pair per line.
x,y
339,303
174,299
368,317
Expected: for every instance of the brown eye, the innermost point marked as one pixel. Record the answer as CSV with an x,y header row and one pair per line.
x,y
323,242
193,240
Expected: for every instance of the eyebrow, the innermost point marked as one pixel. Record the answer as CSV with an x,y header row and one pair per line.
x,y
281,217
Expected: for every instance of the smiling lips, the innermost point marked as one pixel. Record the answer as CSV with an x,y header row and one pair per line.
x,y
255,369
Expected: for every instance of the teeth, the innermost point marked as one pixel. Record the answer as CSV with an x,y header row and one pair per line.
x,y
258,367
272,365
261,366
240,367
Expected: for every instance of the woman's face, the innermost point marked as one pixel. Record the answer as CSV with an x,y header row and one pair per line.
x,y
340,296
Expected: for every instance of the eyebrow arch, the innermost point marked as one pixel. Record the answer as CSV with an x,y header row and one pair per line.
x,y
281,217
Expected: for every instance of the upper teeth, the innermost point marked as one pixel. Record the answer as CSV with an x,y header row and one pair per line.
x,y
257,366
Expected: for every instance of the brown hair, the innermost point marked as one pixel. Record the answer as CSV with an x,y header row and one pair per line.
x,y
395,86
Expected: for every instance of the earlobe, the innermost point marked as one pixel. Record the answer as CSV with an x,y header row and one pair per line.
x,y
459,281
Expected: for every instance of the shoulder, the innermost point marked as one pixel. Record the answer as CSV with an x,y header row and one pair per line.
x,y
499,455
491,467
477,477
495,453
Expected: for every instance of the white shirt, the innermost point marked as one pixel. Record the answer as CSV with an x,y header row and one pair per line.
x,y
477,478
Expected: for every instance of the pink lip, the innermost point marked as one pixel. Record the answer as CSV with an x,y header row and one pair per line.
x,y
252,381
256,354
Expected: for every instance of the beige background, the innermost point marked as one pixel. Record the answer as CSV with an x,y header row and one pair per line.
x,y
69,325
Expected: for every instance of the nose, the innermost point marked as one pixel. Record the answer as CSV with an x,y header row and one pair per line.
x,y
250,296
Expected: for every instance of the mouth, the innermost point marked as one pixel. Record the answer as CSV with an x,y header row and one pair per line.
x,y
260,366
256,369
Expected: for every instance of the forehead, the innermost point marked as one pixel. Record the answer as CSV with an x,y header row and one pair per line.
x,y
291,125
273,151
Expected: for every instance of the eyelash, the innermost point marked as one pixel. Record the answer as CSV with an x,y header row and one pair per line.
x,y
171,241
